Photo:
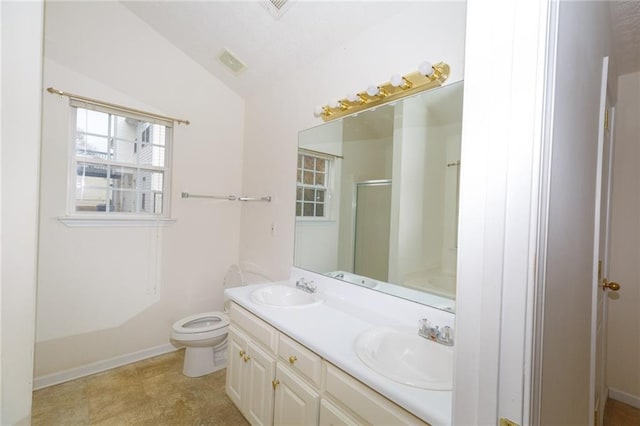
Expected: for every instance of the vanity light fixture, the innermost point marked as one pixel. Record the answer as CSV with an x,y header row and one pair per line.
x,y
427,77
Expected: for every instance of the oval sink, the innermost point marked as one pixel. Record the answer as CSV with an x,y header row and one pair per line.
x,y
407,358
284,296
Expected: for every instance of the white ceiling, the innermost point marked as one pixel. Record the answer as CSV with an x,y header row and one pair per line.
x,y
271,48
274,48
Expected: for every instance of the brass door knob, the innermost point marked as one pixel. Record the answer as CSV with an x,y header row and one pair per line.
x,y
241,353
292,359
606,284
275,383
246,358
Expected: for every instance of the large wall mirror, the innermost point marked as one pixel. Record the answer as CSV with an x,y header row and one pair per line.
x,y
377,197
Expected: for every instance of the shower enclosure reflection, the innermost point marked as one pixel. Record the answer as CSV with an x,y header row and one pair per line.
x,y
377,195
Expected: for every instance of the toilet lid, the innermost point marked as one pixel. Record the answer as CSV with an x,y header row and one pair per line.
x,y
201,323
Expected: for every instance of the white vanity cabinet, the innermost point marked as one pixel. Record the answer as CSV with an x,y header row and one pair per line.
x,y
273,379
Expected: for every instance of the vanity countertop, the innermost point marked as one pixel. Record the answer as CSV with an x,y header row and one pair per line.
x,y
330,329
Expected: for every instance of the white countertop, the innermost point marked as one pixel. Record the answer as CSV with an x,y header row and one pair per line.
x,y
331,328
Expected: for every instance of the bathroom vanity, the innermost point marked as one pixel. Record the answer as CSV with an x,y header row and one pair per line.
x,y
297,363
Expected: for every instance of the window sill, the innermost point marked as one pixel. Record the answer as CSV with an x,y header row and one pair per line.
x,y
111,222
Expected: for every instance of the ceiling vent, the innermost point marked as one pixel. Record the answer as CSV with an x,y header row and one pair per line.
x,y
230,61
277,8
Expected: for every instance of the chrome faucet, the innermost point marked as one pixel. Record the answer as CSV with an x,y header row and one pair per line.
x,y
306,285
442,335
339,276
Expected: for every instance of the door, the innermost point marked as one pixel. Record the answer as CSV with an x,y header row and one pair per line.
x,y
235,366
601,285
261,369
296,403
372,225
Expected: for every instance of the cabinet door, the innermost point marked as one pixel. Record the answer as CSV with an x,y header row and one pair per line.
x,y
261,370
296,403
237,348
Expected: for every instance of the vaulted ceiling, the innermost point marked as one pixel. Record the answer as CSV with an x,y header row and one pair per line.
x,y
273,48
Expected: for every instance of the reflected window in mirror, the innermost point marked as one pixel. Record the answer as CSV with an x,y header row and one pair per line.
x,y
312,186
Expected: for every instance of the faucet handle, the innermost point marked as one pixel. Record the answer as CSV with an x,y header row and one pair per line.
x,y
424,324
446,335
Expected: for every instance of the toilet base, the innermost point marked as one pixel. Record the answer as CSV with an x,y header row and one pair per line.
x,y
199,361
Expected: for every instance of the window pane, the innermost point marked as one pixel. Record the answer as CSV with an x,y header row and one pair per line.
x,y
320,196
320,164
91,191
320,179
319,210
309,195
150,155
308,178
157,205
298,209
307,209
299,176
123,201
92,146
299,194
124,151
92,121
309,163
299,161
123,177
150,180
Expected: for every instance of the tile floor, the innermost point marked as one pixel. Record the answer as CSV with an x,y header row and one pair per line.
x,y
150,392
154,392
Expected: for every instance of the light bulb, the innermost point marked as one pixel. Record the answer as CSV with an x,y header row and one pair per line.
x,y
318,111
396,80
425,68
353,97
373,90
335,104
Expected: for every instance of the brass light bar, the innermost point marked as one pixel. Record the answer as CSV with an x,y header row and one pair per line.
x,y
412,83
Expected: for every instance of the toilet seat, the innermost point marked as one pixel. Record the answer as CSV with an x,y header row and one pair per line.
x,y
201,323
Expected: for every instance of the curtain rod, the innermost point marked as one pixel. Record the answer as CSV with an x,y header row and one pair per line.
x,y
115,106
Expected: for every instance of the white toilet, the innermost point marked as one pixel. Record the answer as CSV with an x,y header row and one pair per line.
x,y
205,335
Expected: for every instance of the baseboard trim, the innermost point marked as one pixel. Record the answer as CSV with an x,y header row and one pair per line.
x,y
627,398
99,366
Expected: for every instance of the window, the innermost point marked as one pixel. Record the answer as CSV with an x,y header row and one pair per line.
x,y
312,187
120,162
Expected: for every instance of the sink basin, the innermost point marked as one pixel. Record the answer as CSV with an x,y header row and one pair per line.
x,y
284,296
407,358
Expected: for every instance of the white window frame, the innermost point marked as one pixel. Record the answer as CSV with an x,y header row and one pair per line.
x,y
76,218
328,187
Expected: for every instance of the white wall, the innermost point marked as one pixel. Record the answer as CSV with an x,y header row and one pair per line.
x,y
431,31
106,292
21,79
623,355
583,40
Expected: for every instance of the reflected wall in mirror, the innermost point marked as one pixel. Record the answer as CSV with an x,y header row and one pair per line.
x,y
377,197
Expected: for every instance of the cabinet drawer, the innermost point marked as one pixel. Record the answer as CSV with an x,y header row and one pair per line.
x,y
300,359
368,404
254,326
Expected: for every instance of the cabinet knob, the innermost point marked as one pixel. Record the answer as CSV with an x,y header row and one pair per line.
x,y
292,359
246,358
275,383
242,353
